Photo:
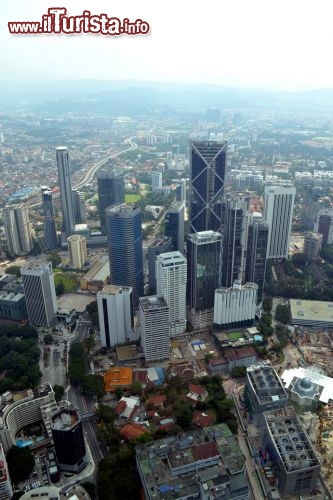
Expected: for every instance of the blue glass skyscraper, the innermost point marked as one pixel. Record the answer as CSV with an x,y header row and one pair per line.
x,y
207,170
124,233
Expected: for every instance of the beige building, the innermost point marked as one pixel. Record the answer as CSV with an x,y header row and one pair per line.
x,y
77,247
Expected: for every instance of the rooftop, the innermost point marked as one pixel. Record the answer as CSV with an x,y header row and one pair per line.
x,y
311,312
240,353
153,302
309,382
266,383
64,419
115,290
117,377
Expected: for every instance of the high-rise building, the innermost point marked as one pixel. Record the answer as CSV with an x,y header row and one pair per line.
x,y
39,291
111,191
256,253
207,180
312,244
67,433
17,229
174,225
6,490
156,181
204,252
278,213
171,279
65,185
213,115
77,246
323,224
50,233
155,327
291,453
161,244
235,215
124,234
181,191
115,312
235,307
79,207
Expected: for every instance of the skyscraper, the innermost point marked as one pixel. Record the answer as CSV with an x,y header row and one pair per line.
x,y
156,181
67,433
39,290
6,490
77,246
123,222
50,232
256,253
174,225
115,312
110,192
204,252
278,213
65,184
17,229
171,278
235,215
161,244
207,180
155,327
323,224
79,207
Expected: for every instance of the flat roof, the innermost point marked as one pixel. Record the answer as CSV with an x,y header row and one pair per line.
x,y
117,377
309,382
127,352
311,312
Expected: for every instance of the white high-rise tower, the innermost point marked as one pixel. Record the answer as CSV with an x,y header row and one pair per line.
x,y
171,279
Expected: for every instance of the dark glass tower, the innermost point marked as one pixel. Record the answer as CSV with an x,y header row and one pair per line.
x,y
67,433
124,233
235,224
50,232
161,244
174,226
65,184
256,254
207,180
204,251
111,190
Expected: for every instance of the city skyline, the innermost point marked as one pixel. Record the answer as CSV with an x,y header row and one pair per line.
x,y
254,55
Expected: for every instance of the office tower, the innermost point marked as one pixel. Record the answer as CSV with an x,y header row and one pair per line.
x,y
67,433
174,225
181,191
171,278
207,180
77,247
278,213
155,327
312,244
65,185
115,313
6,490
291,453
111,191
323,224
204,251
123,222
50,232
156,181
256,253
235,307
79,207
264,390
39,291
236,212
213,115
17,229
161,244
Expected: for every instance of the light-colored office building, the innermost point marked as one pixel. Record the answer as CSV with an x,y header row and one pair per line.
x,y
171,279
278,213
155,327
39,291
77,247
156,181
312,244
6,490
235,307
115,313
17,229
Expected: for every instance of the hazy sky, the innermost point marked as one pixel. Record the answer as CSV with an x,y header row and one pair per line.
x,y
285,44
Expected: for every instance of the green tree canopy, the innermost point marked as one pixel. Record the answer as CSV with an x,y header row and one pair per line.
x,y
20,463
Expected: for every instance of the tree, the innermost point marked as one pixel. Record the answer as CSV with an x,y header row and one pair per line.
x,y
105,414
135,388
16,270
93,385
90,489
238,371
60,288
48,339
58,392
20,463
282,314
183,412
299,259
54,258
267,304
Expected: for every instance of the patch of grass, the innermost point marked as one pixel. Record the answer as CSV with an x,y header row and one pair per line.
x,y
132,197
69,280
235,335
